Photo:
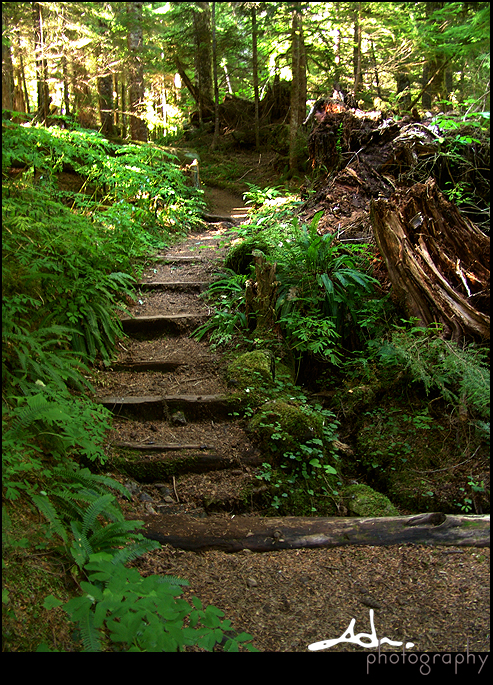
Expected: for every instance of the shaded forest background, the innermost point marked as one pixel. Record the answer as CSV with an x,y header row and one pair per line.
x,y
142,70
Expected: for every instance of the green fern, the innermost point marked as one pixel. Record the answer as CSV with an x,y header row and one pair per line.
x,y
89,633
50,513
95,509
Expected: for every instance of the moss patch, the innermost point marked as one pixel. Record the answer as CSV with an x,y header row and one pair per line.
x,y
281,427
240,258
364,501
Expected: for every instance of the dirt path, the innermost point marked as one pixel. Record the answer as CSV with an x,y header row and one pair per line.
x,y
162,391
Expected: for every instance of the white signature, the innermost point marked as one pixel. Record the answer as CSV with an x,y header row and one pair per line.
x,y
349,636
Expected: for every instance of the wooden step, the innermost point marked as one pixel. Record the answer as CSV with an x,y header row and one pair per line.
x,y
150,365
152,470
159,446
159,406
176,259
175,285
154,325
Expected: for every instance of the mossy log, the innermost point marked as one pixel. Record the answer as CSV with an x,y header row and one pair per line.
x,y
437,260
269,534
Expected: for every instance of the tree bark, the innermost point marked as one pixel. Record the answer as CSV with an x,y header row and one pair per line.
x,y
265,294
105,92
437,260
216,86
270,534
203,58
298,86
7,73
41,64
255,77
138,127
357,50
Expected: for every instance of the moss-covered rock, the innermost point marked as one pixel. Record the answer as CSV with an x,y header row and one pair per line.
x,y
280,428
239,257
364,501
251,378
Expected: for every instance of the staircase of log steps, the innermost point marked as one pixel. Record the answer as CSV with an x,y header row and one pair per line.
x,y
176,443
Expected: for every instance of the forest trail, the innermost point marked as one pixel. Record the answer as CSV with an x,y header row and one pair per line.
x,y
185,459
224,203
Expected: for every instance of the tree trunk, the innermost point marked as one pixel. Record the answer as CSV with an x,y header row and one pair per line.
x,y
433,67
298,86
216,86
105,92
22,77
403,90
203,58
7,75
123,108
437,260
138,127
265,294
255,77
293,532
41,64
357,50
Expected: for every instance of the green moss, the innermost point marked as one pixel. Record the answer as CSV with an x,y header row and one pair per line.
x,y
364,501
250,376
131,463
281,427
239,257
32,569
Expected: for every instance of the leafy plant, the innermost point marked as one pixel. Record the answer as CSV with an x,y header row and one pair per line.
x,y
321,291
459,373
258,196
225,296
121,609
305,480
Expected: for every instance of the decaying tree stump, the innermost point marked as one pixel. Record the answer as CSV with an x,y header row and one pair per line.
x,y
260,297
437,260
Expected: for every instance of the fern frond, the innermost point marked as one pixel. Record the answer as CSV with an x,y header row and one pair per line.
x,y
49,512
90,480
94,510
172,580
89,633
134,550
81,547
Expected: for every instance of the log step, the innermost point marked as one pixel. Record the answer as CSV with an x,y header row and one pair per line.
x,y
293,532
176,259
154,470
174,285
158,447
154,325
158,406
151,365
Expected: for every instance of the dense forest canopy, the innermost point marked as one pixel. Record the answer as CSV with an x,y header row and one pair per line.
x,y
140,68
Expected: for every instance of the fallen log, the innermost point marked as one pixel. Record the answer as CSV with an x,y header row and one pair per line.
x,y
437,260
269,534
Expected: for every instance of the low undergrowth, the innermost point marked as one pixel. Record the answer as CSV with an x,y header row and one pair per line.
x,y
80,216
330,309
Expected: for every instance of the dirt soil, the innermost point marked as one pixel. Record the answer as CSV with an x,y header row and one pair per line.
x,y
434,597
